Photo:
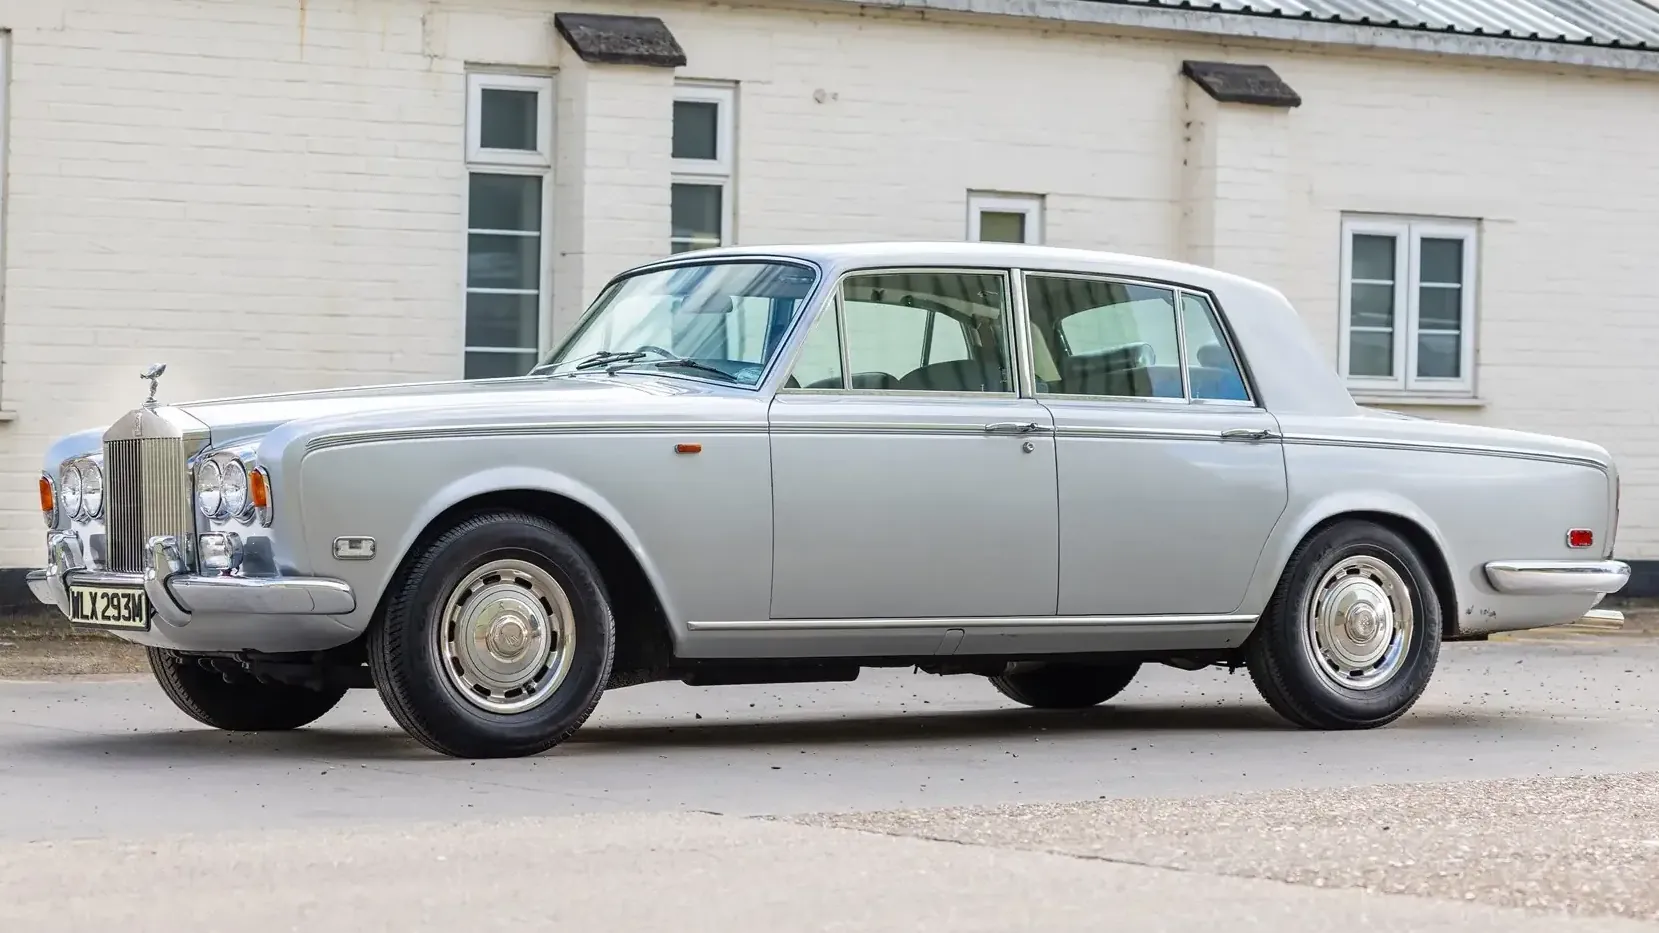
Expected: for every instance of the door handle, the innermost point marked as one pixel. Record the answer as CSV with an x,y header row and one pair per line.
x,y
1016,427
1248,434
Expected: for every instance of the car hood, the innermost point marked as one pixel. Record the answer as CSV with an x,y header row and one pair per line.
x,y
547,397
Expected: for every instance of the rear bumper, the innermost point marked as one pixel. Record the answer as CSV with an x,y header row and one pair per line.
x,y
176,596
1558,577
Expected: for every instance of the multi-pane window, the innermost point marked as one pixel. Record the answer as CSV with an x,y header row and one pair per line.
x,y
509,161
703,166
1005,218
1408,305
1104,338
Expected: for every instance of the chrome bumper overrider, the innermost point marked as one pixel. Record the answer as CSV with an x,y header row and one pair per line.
x,y
1558,577
176,595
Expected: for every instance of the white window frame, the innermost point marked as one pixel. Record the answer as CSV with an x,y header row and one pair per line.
x,y
477,83
1031,205
720,171
485,161
1409,233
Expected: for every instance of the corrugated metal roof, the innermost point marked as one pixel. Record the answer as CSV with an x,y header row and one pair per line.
x,y
1629,24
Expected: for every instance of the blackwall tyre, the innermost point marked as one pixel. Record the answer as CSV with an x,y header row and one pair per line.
x,y
243,706
497,639
1352,634
1066,686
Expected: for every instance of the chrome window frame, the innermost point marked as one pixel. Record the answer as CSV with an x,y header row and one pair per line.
x,y
1012,324
1179,292
788,345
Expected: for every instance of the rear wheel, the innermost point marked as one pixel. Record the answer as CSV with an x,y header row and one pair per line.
x,y
1352,634
241,705
497,640
1065,686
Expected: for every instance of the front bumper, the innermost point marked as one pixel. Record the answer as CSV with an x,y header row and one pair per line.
x,y
177,596
1558,577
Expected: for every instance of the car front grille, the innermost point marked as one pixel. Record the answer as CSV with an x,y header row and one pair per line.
x,y
146,493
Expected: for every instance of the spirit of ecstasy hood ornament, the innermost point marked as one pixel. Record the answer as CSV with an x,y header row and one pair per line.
x,y
152,373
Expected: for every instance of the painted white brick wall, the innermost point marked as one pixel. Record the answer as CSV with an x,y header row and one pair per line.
x,y
269,196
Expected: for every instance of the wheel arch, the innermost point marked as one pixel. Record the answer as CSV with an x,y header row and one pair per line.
x,y
1408,522
644,636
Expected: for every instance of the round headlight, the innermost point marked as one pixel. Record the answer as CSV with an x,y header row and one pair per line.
x,y
92,488
210,481
234,488
69,490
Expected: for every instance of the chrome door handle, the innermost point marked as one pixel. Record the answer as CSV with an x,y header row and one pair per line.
x,y
1248,434
1015,427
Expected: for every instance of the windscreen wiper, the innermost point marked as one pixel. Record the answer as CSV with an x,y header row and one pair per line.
x,y
611,356
693,364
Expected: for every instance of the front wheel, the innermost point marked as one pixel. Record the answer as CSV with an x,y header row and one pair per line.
x,y
240,705
1352,634
497,640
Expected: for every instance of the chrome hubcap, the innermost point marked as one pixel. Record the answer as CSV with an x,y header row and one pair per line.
x,y
507,636
1360,623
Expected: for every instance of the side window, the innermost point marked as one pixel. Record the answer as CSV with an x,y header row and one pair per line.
x,y
819,365
1212,369
1108,338
928,332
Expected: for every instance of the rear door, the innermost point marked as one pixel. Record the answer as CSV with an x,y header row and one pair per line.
x,y
1171,477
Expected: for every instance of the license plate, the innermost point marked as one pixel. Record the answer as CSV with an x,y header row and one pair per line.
x,y
114,607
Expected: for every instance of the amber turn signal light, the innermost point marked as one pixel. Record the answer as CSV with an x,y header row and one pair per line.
x,y
258,493
48,501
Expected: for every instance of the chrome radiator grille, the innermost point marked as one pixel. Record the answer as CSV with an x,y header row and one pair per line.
x,y
146,493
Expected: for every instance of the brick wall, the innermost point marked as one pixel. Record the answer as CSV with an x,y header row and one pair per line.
x,y
268,196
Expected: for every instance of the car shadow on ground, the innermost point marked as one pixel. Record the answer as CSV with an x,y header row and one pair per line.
x,y
918,730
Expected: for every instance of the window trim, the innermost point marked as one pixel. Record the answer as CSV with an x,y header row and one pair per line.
x,y
1029,205
480,81
1409,233
718,172
1011,318
482,161
1180,292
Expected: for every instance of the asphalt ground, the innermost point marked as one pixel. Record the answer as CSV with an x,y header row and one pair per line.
x,y
1518,795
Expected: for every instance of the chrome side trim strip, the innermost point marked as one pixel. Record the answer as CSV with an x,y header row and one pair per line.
x,y
797,625
1436,447
349,438
1558,577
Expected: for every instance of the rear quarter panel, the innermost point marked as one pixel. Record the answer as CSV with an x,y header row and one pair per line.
x,y
1476,497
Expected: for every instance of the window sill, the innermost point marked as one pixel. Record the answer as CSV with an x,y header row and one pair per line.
x,y
7,416
1373,400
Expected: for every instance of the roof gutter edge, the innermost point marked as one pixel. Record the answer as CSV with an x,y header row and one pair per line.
x,y
1286,29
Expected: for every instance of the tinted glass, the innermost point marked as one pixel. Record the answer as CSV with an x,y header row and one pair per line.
x,y
696,129
696,216
728,318
504,202
928,332
507,119
1212,370
1107,338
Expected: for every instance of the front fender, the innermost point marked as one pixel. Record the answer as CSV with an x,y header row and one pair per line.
x,y
351,491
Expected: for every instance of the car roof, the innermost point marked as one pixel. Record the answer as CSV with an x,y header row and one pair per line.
x,y
845,255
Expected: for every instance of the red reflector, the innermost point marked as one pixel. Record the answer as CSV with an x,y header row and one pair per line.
x,y
1581,537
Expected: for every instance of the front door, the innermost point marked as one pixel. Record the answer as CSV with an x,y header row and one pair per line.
x,y
909,479
1171,478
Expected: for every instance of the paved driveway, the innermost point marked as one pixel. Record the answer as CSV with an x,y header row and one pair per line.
x,y
901,802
